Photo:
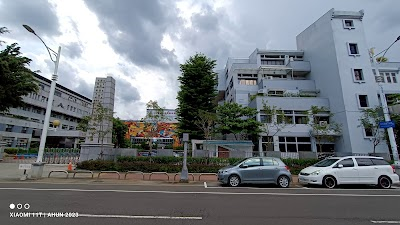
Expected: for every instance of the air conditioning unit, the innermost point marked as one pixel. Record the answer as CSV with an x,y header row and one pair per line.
x,y
261,91
323,123
270,77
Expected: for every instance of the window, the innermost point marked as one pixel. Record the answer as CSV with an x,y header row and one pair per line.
x,y
363,101
364,162
9,128
265,119
64,127
347,163
252,162
247,81
275,93
301,119
358,75
348,24
57,93
272,62
71,128
394,78
388,78
270,162
294,144
353,49
368,132
379,162
24,130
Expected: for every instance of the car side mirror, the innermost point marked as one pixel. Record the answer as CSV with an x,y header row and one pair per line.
x,y
340,166
243,166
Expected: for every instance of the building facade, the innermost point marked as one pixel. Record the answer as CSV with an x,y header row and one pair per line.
x,y
22,126
331,68
104,94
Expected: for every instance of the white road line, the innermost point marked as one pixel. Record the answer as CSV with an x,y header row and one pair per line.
x,y
205,184
94,183
144,217
200,192
385,222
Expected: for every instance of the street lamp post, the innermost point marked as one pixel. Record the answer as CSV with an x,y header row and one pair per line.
x,y
385,108
54,77
185,173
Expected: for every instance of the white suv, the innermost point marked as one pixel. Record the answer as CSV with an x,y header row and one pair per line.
x,y
350,170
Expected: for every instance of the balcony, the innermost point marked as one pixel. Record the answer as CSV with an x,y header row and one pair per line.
x,y
300,67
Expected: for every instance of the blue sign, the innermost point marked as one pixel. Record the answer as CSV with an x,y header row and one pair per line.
x,y
386,124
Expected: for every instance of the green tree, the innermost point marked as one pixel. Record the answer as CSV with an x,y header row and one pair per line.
x,y
16,79
206,122
99,124
118,134
155,115
83,124
197,92
369,120
274,120
322,127
235,119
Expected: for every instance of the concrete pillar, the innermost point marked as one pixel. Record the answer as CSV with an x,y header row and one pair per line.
x,y
276,143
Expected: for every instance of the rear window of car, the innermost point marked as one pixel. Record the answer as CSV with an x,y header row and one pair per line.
x,y
364,162
270,162
379,162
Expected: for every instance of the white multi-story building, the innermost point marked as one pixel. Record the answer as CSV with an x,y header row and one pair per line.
x,y
331,68
104,94
22,126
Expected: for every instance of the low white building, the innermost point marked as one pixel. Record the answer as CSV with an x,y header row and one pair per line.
x,y
331,68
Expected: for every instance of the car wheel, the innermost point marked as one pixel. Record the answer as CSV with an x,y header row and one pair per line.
x,y
329,182
384,182
234,180
283,181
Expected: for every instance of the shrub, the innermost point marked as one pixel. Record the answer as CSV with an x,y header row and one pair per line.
x,y
11,151
171,164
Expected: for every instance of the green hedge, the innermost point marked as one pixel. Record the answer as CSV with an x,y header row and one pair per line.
x,y
13,151
174,164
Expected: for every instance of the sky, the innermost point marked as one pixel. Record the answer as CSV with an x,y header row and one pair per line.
x,y
141,43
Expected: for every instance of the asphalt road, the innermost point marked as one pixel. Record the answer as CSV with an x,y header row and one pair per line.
x,y
172,204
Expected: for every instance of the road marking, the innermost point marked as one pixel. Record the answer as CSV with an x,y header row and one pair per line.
x,y
205,184
200,192
144,217
383,222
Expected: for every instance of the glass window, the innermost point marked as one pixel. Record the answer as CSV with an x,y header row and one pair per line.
x,y
353,49
368,132
252,162
379,162
358,75
326,162
304,147
347,163
364,162
290,139
269,162
303,139
388,78
394,78
363,100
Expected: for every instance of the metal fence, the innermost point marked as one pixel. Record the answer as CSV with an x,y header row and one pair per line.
x,y
61,155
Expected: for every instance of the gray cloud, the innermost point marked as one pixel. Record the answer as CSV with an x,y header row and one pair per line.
x,y
135,28
38,14
125,92
73,50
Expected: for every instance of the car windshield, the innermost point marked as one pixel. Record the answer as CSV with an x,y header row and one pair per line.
x,y
326,162
237,163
